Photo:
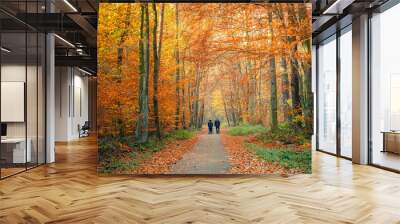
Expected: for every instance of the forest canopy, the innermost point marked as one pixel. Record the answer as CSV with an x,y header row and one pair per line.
x,y
174,66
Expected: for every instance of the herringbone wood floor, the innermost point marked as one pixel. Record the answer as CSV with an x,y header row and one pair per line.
x,y
70,191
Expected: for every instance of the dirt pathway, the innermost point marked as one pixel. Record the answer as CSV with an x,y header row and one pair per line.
x,y
207,157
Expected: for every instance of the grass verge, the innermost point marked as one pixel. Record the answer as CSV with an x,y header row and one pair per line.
x,y
123,153
180,134
247,129
288,158
286,134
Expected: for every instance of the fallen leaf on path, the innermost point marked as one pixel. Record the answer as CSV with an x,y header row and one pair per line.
x,y
244,162
161,161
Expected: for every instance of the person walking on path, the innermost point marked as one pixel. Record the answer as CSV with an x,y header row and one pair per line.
x,y
210,127
217,125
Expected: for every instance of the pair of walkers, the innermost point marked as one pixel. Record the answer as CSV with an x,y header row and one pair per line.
x,y
210,124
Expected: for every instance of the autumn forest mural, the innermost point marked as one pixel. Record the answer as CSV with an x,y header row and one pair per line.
x,y
219,88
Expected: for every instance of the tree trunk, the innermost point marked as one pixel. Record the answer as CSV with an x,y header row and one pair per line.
x,y
233,111
119,124
274,97
285,89
252,96
240,91
196,100
226,112
119,120
156,61
294,76
144,51
295,86
183,96
201,116
308,95
190,104
273,89
260,93
178,100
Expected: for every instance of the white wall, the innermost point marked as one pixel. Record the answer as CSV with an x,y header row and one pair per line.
x,y
62,82
33,127
71,103
81,108
16,73
11,73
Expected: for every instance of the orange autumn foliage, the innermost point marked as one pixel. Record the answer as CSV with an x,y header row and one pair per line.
x,y
224,51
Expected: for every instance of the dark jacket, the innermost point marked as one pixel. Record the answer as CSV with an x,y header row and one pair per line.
x,y
217,123
210,124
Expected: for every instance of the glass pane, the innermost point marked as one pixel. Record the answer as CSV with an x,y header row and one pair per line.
x,y
41,99
22,89
31,98
385,83
327,96
13,86
346,94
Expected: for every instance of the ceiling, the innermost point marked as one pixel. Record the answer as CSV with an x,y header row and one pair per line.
x,y
73,21
332,15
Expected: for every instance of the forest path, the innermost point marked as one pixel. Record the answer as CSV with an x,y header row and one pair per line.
x,y
207,157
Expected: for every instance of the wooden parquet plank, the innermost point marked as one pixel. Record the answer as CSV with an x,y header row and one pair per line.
x,y
70,191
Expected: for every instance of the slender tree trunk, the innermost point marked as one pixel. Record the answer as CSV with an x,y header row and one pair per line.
x,y
284,60
196,100
142,72
308,95
226,112
294,75
144,51
178,100
183,96
240,92
295,86
301,88
190,103
259,93
235,122
274,97
273,88
201,117
119,120
285,89
252,97
156,61
232,102
119,124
